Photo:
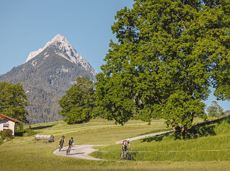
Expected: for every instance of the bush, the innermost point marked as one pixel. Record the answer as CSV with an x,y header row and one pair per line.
x,y
19,130
29,132
1,138
6,134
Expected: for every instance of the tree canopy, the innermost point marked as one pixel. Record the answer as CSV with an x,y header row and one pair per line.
x,y
13,101
166,56
78,102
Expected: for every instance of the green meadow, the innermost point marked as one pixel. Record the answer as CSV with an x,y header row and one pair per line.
x,y
26,154
208,148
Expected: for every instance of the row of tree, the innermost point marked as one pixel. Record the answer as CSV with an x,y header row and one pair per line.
x,y
78,104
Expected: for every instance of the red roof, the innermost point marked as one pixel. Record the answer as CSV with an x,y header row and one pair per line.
x,y
9,118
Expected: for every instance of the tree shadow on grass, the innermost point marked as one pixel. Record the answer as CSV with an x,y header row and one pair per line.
x,y
194,132
206,128
42,127
201,131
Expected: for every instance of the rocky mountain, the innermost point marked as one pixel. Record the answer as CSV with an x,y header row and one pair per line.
x,y
46,75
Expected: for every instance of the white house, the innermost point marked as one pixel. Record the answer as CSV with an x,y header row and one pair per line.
x,y
7,122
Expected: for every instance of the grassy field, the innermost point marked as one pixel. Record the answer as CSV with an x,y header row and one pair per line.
x,y
99,131
25,154
209,148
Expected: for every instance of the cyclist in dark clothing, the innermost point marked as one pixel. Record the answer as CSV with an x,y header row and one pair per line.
x,y
71,143
61,143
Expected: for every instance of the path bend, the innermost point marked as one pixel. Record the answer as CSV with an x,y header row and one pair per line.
x,y
84,151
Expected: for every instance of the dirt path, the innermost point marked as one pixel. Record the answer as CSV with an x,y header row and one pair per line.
x,y
143,136
78,151
84,151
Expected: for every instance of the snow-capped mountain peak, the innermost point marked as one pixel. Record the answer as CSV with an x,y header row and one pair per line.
x,y
65,50
59,38
47,74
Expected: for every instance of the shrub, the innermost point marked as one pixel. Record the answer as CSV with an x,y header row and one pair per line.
x,y
7,134
29,132
1,138
19,130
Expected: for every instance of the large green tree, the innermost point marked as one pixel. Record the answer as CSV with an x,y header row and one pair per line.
x,y
78,102
221,34
166,56
13,101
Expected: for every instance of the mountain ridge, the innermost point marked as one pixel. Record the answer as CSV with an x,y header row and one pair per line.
x,y
46,75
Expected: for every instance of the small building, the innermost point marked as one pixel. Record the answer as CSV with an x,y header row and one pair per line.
x,y
7,122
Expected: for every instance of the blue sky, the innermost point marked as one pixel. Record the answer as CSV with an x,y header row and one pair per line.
x,y
26,25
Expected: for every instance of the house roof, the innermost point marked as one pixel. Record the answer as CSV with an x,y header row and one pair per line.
x,y
9,118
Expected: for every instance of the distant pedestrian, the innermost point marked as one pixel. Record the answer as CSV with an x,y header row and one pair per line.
x,y
71,143
61,142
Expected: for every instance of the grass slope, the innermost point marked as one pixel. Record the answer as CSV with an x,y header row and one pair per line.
x,y
209,148
25,154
